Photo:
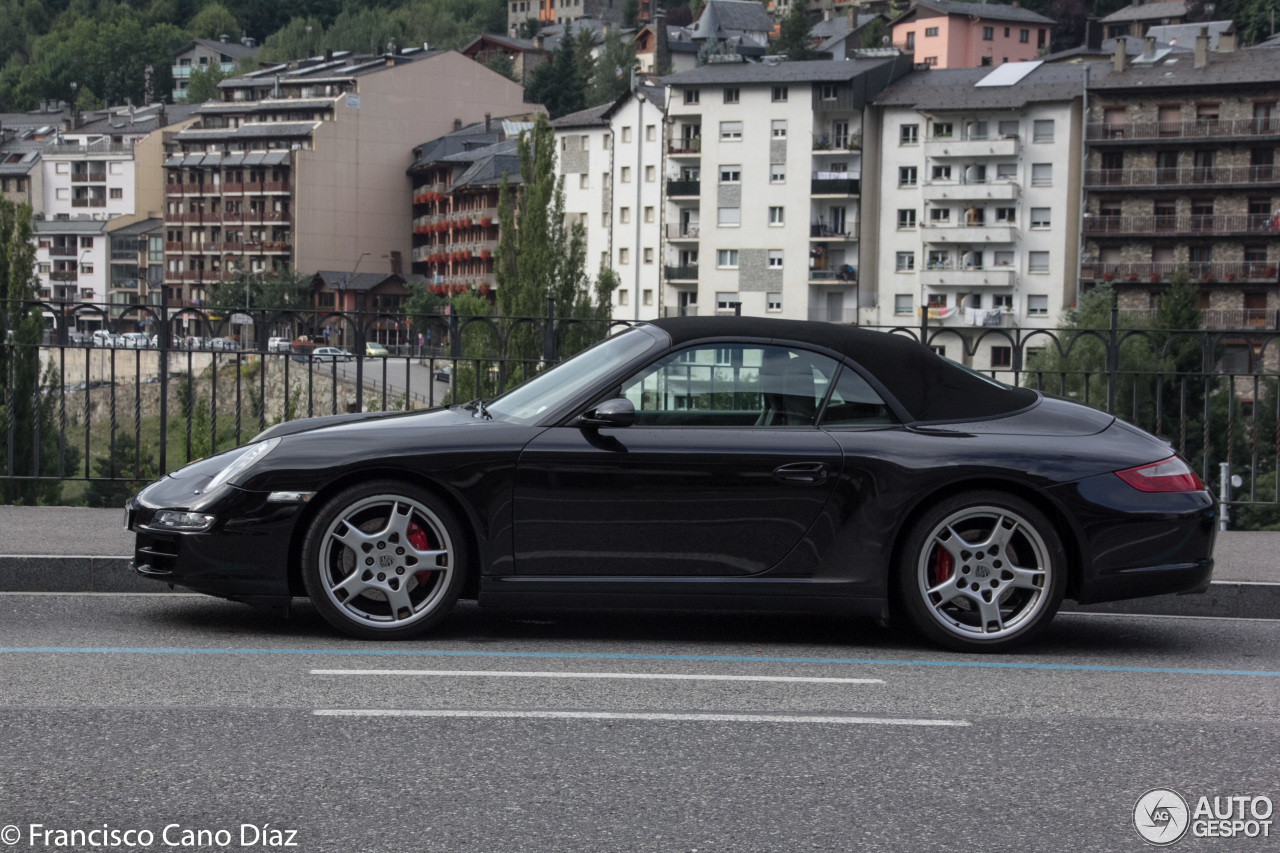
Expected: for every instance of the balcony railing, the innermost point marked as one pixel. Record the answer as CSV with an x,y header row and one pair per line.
x,y
64,275
1220,129
62,251
89,177
677,231
680,147
684,188
233,188
836,276
834,186
1221,318
826,232
833,315
1203,271
1250,223
1194,176
680,311
688,272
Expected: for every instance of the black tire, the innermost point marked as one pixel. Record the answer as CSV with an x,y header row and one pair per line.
x,y
365,571
982,571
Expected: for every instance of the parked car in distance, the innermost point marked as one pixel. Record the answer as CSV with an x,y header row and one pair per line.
x,y
279,345
136,340
194,342
321,354
375,349
76,339
223,345
442,374
103,338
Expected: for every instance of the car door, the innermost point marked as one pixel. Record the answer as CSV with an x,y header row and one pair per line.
x,y
721,474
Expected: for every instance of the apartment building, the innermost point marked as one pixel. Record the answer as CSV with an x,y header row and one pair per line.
x,y
23,138
71,263
554,12
136,265
956,34
302,165
976,176
611,160
223,54
764,172
1182,174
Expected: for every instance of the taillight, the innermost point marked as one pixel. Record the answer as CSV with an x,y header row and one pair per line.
x,y
1171,475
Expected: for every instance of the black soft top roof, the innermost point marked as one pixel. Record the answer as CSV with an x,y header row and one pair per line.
x,y
928,387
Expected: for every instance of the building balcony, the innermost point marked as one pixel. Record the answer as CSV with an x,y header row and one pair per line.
x,y
679,310
676,231
832,186
1173,179
1208,272
835,276
276,187
825,143
954,146
954,234
821,231
685,147
688,272
1245,225
1248,129
62,251
64,275
676,189
820,314
88,202
1221,318
233,188
967,278
89,177
959,191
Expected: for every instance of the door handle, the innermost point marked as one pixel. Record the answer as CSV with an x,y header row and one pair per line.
x,y
802,473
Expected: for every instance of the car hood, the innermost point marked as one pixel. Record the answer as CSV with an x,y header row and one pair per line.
x,y
1051,416
419,419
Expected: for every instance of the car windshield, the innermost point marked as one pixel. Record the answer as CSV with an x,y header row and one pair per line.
x,y
527,402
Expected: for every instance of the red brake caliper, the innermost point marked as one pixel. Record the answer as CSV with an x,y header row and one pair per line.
x,y
418,539
942,565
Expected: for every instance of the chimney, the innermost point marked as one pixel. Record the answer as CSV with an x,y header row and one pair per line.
x,y
1120,58
1202,48
853,16
606,29
224,38
661,46
328,54
826,14
1093,34
539,40
1149,48
457,125
1227,40
486,122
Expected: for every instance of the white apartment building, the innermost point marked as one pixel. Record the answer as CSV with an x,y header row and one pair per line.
x,y
764,168
976,182
611,160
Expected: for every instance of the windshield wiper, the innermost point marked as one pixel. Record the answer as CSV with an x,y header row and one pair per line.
x,y
477,405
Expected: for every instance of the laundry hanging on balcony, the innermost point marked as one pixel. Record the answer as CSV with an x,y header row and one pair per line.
x,y
943,313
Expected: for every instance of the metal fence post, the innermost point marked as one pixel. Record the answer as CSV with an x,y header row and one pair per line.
x,y
163,338
549,333
1113,360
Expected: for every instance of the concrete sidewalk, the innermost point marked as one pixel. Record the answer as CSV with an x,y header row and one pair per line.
x,y
72,549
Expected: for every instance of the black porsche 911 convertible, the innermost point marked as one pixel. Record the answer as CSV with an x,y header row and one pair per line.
x,y
698,463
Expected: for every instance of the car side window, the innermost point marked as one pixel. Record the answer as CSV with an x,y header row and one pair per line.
x,y
745,385
855,402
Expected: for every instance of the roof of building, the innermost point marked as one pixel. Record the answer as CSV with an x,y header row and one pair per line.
x,y
228,161
1132,47
234,49
1272,42
361,281
721,19
343,66
590,117
136,229
1148,12
69,226
1241,67
1185,34
252,130
511,42
839,26
956,89
984,10
142,120
930,388
818,71
470,140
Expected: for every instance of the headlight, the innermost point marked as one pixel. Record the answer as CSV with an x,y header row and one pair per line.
x,y
178,520
241,463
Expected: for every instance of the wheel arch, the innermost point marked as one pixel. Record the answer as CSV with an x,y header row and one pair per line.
x,y
471,585
1068,534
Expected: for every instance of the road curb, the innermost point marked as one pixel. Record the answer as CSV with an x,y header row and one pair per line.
x,y
46,573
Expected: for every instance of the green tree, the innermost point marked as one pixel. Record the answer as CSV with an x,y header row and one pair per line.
x,y
272,291
793,35
503,64
213,21
584,61
122,474
612,78
631,14
529,28
556,84
203,83
86,101
873,35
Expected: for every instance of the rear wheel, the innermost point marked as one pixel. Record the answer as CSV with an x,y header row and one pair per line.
x,y
982,571
384,561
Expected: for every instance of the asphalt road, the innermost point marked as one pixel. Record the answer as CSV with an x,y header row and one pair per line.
x,y
142,712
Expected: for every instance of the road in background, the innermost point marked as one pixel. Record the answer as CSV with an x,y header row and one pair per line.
x,y
572,732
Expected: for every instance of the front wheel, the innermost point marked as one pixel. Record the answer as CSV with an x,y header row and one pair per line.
x,y
384,561
982,571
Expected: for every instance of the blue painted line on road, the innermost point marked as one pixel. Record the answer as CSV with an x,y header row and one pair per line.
x,y
1062,667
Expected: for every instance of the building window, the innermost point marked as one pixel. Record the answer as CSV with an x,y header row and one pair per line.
x,y
1041,174
624,257
907,218
1006,171
730,174
1040,38
906,176
648,296
731,95
908,134
691,96
729,217
930,32
773,302
727,259
1037,305
86,242
586,142
726,301
906,262
730,131
1006,215
1037,262
778,173
1043,130
1039,217
828,91
931,61
648,213
626,174
624,215
650,133
648,259
776,216
988,33
902,303
778,127
940,215
986,60
650,174
941,173
584,182
117,192
1024,36
626,135
624,297
779,94
911,41
942,130
1002,356
1003,301
1006,35
775,259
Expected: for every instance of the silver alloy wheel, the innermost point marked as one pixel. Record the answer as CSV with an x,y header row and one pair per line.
x,y
373,566
984,573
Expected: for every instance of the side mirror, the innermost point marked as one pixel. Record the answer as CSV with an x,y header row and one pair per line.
x,y
617,412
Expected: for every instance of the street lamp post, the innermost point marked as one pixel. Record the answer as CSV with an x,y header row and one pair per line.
x,y
342,291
